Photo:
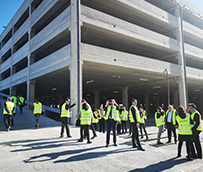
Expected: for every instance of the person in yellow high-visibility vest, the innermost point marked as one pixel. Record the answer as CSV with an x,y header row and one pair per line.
x,y
21,103
184,122
101,115
15,101
124,119
65,117
196,130
85,122
112,118
160,122
37,112
135,121
95,121
9,108
142,123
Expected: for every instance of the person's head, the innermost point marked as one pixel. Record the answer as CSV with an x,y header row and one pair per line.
x,y
141,109
37,101
134,102
85,107
159,109
192,107
124,108
181,110
83,101
95,111
111,102
170,107
67,100
101,106
9,99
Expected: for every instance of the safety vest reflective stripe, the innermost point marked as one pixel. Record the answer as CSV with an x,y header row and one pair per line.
x,y
10,106
131,115
115,115
85,118
95,120
64,112
184,127
37,108
173,116
159,121
124,115
199,128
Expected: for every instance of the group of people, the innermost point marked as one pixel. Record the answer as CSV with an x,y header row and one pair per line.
x,y
189,128
110,115
10,108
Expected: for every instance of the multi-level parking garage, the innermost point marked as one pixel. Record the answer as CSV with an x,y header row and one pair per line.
x,y
104,49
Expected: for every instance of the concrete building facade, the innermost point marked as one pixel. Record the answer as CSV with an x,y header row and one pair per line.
x,y
104,49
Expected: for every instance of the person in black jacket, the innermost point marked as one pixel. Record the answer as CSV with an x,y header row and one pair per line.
x,y
196,130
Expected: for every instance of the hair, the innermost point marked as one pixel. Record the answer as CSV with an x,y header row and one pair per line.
x,y
141,108
85,107
83,100
9,99
67,99
170,106
132,100
159,108
95,110
181,110
193,105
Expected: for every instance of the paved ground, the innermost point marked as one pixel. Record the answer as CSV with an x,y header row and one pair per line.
x,y
25,149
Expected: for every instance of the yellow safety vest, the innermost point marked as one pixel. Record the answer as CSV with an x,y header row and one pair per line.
x,y
85,118
144,112
95,120
115,114
131,115
184,126
142,118
124,116
64,112
159,121
173,116
21,100
14,99
99,112
37,108
10,106
199,128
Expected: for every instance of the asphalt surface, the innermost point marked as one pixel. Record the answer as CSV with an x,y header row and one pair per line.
x,y
26,149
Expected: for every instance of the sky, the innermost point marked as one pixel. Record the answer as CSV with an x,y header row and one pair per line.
x,y
8,8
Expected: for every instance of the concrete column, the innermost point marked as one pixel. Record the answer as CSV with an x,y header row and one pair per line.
x,y
32,58
13,91
125,96
96,99
146,97
31,90
75,62
176,99
182,81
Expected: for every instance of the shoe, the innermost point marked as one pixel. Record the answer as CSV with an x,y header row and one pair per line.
x,y
89,142
36,126
107,145
115,144
140,148
168,142
189,159
69,136
8,129
80,140
178,155
199,157
135,146
61,136
147,138
94,136
141,137
160,143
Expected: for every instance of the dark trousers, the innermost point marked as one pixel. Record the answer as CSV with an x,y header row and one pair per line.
x,y
85,129
21,108
95,126
130,129
8,120
188,147
102,125
118,128
135,135
93,129
124,126
171,128
111,124
142,126
195,139
65,124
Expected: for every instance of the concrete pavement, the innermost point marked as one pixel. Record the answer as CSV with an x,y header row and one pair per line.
x,y
25,149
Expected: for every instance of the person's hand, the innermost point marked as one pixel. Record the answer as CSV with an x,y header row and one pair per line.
x,y
176,126
10,113
137,125
76,101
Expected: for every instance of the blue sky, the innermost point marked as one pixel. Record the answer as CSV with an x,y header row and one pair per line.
x,y
9,7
